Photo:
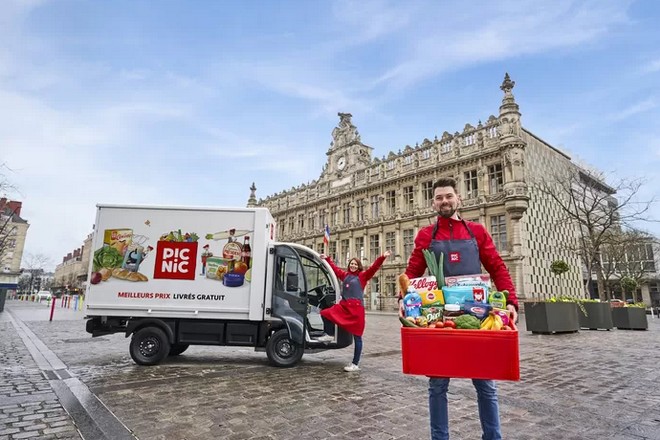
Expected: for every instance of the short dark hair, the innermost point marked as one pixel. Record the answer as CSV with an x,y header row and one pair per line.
x,y
445,181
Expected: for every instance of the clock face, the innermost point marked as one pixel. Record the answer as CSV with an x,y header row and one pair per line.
x,y
341,163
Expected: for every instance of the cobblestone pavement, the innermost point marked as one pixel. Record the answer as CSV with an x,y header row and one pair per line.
x,y
592,385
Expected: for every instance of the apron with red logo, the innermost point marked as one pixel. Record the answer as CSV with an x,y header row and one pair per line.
x,y
461,256
348,313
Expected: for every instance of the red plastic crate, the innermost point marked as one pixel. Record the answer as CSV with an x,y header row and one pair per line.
x,y
472,354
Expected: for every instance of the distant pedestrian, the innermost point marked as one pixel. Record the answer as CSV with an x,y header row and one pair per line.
x,y
349,312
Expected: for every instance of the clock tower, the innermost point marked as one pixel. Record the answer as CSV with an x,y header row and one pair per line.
x,y
347,153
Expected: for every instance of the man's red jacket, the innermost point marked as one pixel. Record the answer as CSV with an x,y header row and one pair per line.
x,y
490,259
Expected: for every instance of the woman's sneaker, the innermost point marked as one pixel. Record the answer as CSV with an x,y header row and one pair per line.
x,y
325,338
351,367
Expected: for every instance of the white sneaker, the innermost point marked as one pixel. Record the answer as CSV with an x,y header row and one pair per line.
x,y
351,367
325,338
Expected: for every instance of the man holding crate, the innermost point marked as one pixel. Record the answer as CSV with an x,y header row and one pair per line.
x,y
465,246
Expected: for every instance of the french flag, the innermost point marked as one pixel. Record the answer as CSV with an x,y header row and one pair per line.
x,y
326,234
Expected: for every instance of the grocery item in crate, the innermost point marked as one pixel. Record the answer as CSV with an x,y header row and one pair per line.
x,y
432,305
460,294
497,300
477,309
432,298
504,315
412,303
423,284
475,280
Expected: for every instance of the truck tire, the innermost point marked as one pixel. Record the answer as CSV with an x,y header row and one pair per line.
x,y
149,346
282,351
177,349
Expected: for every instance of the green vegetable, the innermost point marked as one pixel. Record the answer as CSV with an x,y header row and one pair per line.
x,y
407,323
436,268
108,257
467,322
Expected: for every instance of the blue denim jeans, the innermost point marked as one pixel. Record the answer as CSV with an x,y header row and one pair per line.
x,y
489,412
357,352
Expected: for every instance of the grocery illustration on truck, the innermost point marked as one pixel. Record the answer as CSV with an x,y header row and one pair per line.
x,y
123,253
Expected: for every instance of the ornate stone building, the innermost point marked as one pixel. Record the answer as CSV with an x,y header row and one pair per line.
x,y
373,204
13,231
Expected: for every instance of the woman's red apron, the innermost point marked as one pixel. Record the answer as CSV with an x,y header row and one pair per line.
x,y
349,312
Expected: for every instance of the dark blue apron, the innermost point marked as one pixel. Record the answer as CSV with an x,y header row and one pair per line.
x,y
461,256
351,288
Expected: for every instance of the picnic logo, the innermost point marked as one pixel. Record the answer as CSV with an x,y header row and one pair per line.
x,y
454,257
175,260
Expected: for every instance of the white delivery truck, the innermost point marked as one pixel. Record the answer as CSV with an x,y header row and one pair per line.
x,y
171,277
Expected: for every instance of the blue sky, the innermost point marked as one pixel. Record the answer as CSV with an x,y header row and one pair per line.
x,y
188,103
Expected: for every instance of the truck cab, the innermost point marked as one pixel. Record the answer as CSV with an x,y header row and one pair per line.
x,y
304,284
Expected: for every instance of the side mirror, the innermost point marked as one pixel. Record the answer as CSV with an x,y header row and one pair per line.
x,y
291,282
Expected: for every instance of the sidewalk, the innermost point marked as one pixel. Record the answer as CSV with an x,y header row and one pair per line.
x,y
29,408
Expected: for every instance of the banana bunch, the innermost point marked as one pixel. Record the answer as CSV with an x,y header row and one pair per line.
x,y
492,322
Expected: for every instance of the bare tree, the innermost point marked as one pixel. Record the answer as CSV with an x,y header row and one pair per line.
x,y
7,228
35,264
624,254
587,201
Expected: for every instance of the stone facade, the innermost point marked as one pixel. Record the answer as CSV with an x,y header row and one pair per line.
x,y
374,204
71,274
13,230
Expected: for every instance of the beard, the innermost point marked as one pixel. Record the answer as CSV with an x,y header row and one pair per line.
x,y
446,211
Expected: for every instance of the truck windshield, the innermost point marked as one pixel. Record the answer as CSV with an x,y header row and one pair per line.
x,y
315,274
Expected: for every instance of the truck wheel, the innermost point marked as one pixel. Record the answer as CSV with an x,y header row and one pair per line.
x,y
149,346
282,351
177,349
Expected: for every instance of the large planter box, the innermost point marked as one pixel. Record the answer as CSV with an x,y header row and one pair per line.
x,y
551,317
471,354
629,318
599,316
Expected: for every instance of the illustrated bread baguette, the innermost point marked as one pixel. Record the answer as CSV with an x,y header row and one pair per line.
x,y
137,276
121,273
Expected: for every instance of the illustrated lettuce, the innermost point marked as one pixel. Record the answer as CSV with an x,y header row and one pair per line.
x,y
108,257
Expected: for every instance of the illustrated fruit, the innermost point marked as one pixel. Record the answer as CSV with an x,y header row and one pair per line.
x,y
240,267
96,278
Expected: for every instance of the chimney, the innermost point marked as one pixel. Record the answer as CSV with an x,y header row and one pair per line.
x,y
16,207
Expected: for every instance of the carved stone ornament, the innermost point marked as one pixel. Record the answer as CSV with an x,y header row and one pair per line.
x,y
345,132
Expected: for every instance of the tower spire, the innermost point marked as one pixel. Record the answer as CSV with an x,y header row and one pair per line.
x,y
252,201
508,102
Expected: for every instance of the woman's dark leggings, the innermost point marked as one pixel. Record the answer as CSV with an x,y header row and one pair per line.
x,y
357,352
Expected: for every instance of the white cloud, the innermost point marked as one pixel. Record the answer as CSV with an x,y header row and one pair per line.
x,y
498,31
651,67
635,109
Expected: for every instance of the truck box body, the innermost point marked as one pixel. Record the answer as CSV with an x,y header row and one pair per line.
x,y
174,281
